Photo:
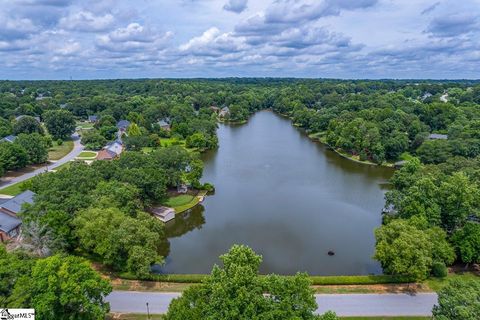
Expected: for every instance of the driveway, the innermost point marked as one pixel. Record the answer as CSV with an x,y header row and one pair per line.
x,y
77,149
420,304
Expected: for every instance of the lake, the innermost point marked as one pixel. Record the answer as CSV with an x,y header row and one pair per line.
x,y
289,198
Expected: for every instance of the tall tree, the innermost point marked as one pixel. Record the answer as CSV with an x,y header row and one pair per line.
x,y
35,145
63,288
60,123
237,292
27,125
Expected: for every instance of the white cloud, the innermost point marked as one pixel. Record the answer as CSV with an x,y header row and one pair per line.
x,y
86,21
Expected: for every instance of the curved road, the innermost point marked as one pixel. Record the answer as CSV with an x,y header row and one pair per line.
x,y
77,149
420,304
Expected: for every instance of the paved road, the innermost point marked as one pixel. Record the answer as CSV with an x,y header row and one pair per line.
x,y
77,149
343,304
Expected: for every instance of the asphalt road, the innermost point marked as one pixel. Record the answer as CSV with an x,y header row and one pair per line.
x,y
420,304
77,149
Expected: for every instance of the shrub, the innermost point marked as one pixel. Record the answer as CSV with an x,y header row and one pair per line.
x,y
439,270
59,142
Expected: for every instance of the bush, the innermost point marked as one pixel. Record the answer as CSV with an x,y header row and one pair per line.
x,y
208,187
439,270
59,142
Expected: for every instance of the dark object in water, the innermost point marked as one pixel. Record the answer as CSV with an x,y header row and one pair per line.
x,y
331,253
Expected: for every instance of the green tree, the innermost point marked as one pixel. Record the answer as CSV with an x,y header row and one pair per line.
x,y
467,242
93,140
35,146
134,130
404,249
122,242
60,123
458,198
12,156
27,125
12,267
237,292
458,300
63,288
5,128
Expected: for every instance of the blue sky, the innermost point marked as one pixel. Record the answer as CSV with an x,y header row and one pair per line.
x,y
59,39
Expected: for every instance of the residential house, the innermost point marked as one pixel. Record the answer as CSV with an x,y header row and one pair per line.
x,y
436,136
10,138
444,97
426,95
214,109
111,151
164,125
93,119
9,208
123,125
164,214
224,112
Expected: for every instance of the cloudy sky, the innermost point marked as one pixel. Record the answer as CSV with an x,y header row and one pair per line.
x,y
59,39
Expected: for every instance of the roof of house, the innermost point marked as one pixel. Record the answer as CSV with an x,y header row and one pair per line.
x,y
123,124
163,123
93,118
162,211
10,138
15,204
436,136
115,147
8,222
106,154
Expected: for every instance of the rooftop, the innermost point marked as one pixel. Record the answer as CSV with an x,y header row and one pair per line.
x,y
15,204
8,222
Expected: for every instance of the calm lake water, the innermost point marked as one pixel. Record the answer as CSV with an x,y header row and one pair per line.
x,y
289,198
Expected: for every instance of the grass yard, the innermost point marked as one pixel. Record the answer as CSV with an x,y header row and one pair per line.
x,y
85,125
184,202
437,284
87,154
179,200
57,152
12,190
167,142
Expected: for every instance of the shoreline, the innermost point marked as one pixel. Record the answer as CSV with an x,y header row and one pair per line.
x,y
312,137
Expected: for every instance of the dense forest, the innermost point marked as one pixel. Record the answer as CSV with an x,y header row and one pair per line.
x,y
433,211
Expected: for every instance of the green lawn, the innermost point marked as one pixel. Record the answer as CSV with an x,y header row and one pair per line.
x,y
87,154
167,142
437,284
179,200
57,152
85,125
12,190
184,202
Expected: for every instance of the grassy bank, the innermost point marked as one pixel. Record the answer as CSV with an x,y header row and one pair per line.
x,y
184,202
316,280
320,137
